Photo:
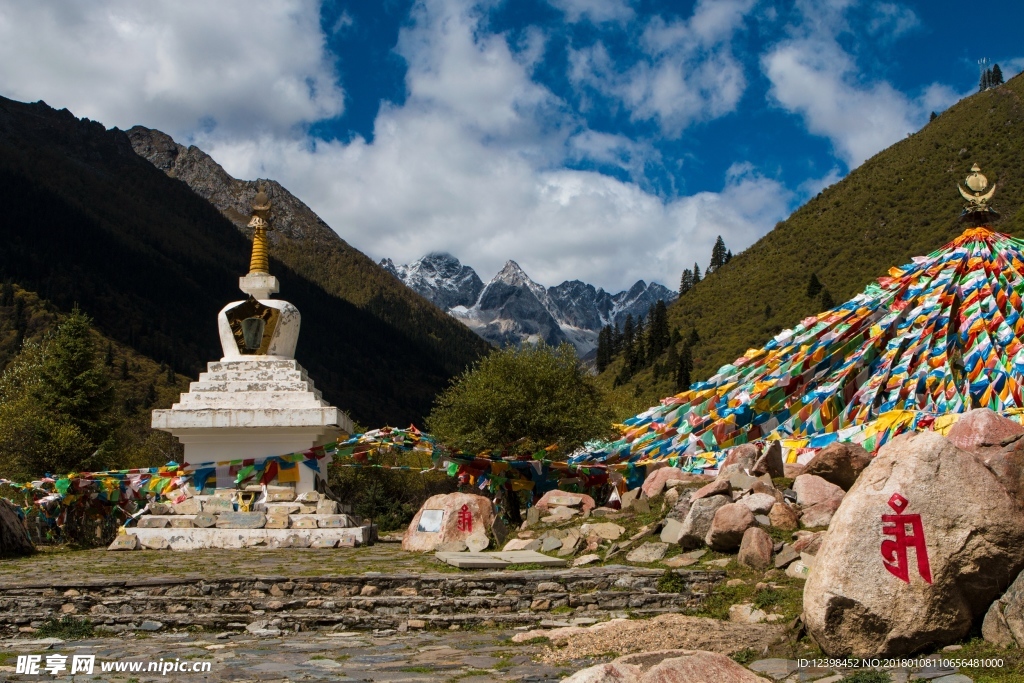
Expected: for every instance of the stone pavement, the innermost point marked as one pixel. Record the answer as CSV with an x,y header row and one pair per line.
x,y
466,656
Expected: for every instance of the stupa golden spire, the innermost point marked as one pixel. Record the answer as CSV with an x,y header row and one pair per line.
x,y
260,261
978,194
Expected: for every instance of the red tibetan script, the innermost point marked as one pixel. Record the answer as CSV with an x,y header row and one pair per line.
x,y
894,551
465,522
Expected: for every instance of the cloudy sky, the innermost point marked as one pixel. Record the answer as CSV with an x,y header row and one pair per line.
x,y
602,140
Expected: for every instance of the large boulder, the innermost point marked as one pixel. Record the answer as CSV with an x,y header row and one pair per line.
x,y
612,672
870,595
655,482
728,526
1004,621
700,667
770,462
719,487
982,428
14,538
756,548
555,499
438,521
811,490
839,464
671,666
783,516
698,520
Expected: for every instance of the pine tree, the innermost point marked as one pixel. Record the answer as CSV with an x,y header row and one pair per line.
x,y
767,311
932,117
693,338
74,384
813,286
150,398
171,378
718,253
996,76
617,341
628,343
604,350
124,368
108,359
658,336
696,273
639,358
7,294
672,359
686,281
728,255
827,302
683,368
986,80
676,337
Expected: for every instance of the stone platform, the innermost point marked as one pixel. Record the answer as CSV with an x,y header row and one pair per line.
x,y
199,539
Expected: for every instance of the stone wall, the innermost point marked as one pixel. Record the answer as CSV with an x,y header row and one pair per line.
x,y
360,601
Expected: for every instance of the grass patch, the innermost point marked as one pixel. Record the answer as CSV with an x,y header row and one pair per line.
x,y
1012,670
868,677
564,609
745,656
539,640
66,628
671,582
767,598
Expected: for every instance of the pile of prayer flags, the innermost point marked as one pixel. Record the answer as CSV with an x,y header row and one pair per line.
x,y
933,338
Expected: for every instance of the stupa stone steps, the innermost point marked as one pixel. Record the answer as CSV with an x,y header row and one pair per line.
x,y
277,399
239,386
261,375
359,601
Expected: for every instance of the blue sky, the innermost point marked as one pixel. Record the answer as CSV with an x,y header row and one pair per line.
x,y
604,140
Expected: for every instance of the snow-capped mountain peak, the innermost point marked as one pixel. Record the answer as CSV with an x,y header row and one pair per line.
x,y
513,309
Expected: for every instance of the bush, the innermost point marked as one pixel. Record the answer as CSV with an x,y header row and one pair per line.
x,y
389,497
521,400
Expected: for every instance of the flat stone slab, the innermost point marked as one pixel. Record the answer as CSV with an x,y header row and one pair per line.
x,y
499,560
216,505
241,520
197,539
153,521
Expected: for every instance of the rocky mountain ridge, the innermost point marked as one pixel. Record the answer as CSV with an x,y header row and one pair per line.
x,y
514,309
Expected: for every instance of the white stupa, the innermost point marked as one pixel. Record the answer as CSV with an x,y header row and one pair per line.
x,y
256,401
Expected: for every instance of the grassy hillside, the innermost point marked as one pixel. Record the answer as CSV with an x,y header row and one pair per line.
x,y
88,221
900,203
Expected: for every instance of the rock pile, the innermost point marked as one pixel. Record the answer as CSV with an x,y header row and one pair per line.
x,y
928,536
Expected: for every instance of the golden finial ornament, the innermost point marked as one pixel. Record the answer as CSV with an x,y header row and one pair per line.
x,y
260,261
978,193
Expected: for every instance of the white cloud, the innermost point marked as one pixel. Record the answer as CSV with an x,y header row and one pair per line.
x,y
177,66
892,20
688,73
473,163
597,11
813,76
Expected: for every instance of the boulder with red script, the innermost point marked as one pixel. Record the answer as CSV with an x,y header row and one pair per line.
x,y
446,518
922,544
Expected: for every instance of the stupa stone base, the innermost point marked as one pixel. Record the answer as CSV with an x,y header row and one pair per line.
x,y
199,539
